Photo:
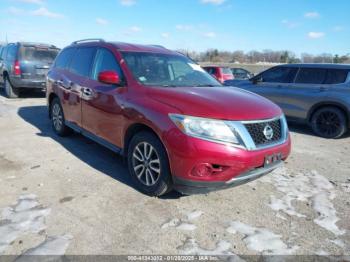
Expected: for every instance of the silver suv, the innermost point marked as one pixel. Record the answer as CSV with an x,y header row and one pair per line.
x,y
317,94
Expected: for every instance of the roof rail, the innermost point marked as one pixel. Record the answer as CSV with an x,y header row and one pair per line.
x,y
88,40
159,46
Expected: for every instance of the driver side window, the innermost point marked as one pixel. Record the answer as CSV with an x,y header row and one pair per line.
x,y
279,75
105,61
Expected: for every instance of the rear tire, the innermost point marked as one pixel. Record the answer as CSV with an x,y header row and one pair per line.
x,y
10,91
57,118
329,122
149,165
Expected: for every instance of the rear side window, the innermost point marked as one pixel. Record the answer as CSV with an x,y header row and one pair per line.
x,y
311,76
36,53
82,61
279,75
226,71
105,61
64,58
336,76
11,53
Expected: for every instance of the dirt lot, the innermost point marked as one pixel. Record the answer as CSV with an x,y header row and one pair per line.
x,y
72,196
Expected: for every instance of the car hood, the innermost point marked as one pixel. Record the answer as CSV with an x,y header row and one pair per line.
x,y
227,103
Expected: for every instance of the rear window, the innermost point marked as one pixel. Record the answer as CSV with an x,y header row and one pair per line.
x,y
336,76
226,71
311,76
35,53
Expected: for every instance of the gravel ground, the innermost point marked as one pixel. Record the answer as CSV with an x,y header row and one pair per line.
x,y
72,196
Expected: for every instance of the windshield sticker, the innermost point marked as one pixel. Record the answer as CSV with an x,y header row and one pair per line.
x,y
196,67
142,79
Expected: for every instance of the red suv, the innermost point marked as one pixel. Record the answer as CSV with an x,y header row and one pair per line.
x,y
176,125
222,74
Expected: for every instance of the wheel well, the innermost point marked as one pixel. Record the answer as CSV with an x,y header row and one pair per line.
x,y
51,97
133,130
340,107
5,74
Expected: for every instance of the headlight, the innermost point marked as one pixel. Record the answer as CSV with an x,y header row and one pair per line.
x,y
209,129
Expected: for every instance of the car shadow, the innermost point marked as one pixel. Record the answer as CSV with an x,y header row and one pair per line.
x,y
93,154
25,93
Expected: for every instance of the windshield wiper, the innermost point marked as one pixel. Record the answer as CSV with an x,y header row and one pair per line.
x,y
205,85
169,86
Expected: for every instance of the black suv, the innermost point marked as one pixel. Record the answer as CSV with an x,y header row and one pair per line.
x,y
25,65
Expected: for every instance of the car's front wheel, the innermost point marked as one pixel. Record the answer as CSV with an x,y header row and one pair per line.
x,y
149,165
57,118
10,91
329,122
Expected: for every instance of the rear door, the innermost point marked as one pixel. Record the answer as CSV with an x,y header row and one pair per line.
x,y
101,103
72,80
35,61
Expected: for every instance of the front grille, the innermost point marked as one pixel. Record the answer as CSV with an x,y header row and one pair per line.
x,y
256,131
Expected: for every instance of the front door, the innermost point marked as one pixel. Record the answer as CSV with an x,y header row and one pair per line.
x,y
101,103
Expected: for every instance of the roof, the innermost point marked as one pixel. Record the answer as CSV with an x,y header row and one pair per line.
x,y
127,47
34,44
327,66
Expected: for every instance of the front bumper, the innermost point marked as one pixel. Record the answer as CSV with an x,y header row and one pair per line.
x,y
189,187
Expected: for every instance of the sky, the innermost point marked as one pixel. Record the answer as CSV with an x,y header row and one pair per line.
x,y
301,26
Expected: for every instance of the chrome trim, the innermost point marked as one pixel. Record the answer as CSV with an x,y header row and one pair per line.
x,y
255,173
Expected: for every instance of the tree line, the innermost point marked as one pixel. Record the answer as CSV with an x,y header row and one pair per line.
x,y
265,56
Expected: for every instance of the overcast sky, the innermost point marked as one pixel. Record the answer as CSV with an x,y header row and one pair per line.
x,y
313,26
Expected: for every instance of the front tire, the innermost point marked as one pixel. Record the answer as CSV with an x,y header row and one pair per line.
x,y
329,122
149,165
57,118
10,91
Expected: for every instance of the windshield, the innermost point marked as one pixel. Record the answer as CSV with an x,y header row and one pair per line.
x,y
39,54
152,69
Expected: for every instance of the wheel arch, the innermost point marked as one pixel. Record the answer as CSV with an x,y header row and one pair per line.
x,y
320,105
132,130
51,97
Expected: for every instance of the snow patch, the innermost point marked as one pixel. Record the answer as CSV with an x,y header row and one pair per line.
x,y
186,227
261,239
194,215
172,223
51,246
26,216
309,187
338,242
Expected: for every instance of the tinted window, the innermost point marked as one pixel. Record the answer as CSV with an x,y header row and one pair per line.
x,y
336,76
311,76
11,53
82,61
64,58
226,71
33,53
105,61
279,75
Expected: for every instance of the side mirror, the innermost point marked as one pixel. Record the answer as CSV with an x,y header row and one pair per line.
x,y
109,77
257,80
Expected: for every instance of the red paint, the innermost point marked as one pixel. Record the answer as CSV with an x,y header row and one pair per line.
x,y
222,74
112,110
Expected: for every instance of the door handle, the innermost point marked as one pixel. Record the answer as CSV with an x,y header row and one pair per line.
x,y
87,92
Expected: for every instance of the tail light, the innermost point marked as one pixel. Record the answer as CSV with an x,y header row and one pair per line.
x,y
17,68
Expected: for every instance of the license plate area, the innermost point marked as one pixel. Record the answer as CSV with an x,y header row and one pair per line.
x,y
272,159
42,71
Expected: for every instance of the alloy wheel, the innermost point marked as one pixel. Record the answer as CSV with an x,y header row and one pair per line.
x,y
328,123
57,117
146,164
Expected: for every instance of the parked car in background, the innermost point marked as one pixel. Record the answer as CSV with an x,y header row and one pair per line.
x,y
241,74
24,66
317,94
222,74
176,125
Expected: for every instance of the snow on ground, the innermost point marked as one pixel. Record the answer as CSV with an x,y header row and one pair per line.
x,y
51,246
308,187
261,239
26,216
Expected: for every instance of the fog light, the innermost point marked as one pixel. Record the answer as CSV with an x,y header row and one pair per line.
x,y
202,170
